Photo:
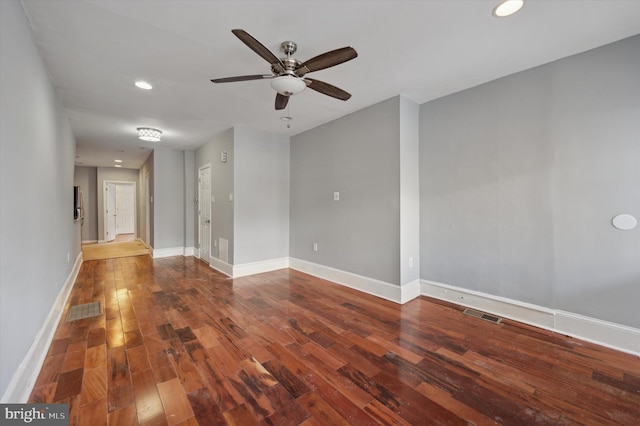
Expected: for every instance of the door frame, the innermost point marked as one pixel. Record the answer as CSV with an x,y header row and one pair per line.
x,y
105,203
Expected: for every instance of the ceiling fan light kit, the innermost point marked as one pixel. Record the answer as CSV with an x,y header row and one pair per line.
x,y
288,85
288,74
148,134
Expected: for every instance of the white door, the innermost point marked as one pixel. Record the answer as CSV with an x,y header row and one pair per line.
x,y
204,212
125,208
110,211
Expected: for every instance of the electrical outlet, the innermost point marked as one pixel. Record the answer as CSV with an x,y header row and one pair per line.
x,y
315,246
336,196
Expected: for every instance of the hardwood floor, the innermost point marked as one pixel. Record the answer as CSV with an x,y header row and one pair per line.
x,y
180,344
114,250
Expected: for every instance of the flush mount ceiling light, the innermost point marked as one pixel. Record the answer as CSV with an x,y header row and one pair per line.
x,y
117,161
288,85
143,85
149,134
507,8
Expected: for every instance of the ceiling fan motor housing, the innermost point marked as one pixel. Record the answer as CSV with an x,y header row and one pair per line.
x,y
288,47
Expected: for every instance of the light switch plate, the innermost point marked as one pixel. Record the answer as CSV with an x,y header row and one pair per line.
x,y
336,196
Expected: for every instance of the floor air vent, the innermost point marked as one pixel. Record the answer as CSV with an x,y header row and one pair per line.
x,y
86,310
482,315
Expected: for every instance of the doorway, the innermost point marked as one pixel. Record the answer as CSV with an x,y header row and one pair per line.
x,y
119,210
204,213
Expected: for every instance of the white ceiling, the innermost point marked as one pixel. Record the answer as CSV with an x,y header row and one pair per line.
x,y
95,50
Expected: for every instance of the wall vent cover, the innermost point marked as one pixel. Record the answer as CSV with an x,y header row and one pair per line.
x,y
86,310
482,315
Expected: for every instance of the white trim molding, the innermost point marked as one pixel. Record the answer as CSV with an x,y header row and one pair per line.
x,y
384,290
259,267
611,335
24,378
509,308
410,291
172,251
168,252
221,266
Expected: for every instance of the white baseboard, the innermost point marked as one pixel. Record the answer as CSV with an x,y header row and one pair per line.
x,y
260,267
221,266
172,251
612,335
88,241
509,308
410,291
615,336
368,285
24,378
168,252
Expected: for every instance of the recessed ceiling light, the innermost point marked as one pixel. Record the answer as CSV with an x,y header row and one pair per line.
x,y
117,165
143,85
117,161
507,8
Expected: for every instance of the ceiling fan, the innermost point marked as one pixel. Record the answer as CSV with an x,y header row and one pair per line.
x,y
288,74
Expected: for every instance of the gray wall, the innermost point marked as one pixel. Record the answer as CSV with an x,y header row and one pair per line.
x,y
261,185
114,175
359,157
521,177
221,187
40,241
86,178
168,199
409,191
146,194
190,196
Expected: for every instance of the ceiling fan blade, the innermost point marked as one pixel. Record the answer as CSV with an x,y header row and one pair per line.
x,y
326,60
281,101
241,78
259,48
327,89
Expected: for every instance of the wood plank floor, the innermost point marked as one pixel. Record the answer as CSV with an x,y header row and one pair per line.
x,y
113,250
180,344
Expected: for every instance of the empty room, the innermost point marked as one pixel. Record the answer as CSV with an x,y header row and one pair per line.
x,y
320,212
